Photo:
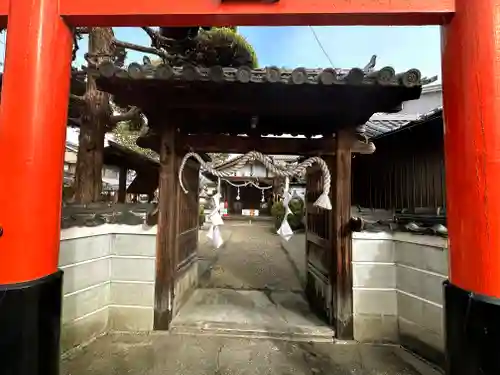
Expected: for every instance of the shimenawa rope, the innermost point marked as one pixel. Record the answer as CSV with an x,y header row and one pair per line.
x,y
323,201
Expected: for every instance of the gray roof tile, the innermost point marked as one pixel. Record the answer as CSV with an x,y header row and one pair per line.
x,y
381,124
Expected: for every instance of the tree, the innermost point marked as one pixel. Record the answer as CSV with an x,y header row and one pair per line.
x,y
126,136
96,116
222,46
96,113
201,46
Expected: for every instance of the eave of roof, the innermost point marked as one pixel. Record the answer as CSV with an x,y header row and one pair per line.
x,y
268,100
269,75
383,123
420,119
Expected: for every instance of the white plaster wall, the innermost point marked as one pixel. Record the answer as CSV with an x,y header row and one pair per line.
x,y
108,281
431,98
397,289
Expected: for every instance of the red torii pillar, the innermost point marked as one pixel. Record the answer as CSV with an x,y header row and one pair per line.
x,y
471,84
33,114
33,117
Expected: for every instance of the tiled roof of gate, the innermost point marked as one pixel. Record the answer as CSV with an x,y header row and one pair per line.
x,y
271,74
267,101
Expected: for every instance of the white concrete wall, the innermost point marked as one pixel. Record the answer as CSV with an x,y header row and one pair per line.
x,y
397,290
108,281
431,98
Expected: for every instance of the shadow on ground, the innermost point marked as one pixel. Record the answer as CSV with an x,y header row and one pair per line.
x,y
165,354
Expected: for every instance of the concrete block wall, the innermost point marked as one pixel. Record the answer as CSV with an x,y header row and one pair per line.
x,y
108,281
374,289
421,270
397,290
132,280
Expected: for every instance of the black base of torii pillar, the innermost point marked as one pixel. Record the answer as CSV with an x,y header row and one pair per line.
x,y
472,326
30,325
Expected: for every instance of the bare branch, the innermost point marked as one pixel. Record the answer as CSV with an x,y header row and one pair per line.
x,y
151,33
129,115
77,98
90,59
78,33
158,40
137,47
75,45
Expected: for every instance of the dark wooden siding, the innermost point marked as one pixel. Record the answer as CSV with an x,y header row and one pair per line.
x,y
406,170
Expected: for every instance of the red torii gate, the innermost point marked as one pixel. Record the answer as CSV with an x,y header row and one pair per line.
x,y
33,117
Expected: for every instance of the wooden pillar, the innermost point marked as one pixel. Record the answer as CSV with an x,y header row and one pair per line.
x,y
341,186
471,87
32,145
122,185
167,230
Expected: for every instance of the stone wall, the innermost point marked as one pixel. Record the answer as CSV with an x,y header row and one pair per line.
x,y
397,287
109,275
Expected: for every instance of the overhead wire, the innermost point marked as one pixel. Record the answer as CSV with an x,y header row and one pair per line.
x,y
321,45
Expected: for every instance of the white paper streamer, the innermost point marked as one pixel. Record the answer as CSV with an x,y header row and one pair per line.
x,y
214,233
285,231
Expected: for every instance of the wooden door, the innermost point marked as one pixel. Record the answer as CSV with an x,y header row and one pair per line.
x,y
186,254
319,250
329,241
177,239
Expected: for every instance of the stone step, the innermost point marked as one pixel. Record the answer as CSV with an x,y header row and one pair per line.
x,y
299,334
248,218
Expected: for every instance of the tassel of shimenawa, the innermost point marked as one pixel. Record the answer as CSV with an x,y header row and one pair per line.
x,y
323,201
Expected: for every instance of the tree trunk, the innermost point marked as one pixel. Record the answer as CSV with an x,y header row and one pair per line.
x,y
94,122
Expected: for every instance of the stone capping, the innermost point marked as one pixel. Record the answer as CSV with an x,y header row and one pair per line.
x,y
417,239
81,232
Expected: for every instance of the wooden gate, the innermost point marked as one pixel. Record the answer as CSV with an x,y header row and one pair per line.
x,y
177,240
186,271
319,250
328,243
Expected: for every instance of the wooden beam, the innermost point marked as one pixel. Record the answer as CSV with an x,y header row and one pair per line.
x,y
284,12
167,231
341,183
268,145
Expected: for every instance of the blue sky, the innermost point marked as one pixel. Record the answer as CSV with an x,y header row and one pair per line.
x,y
347,47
